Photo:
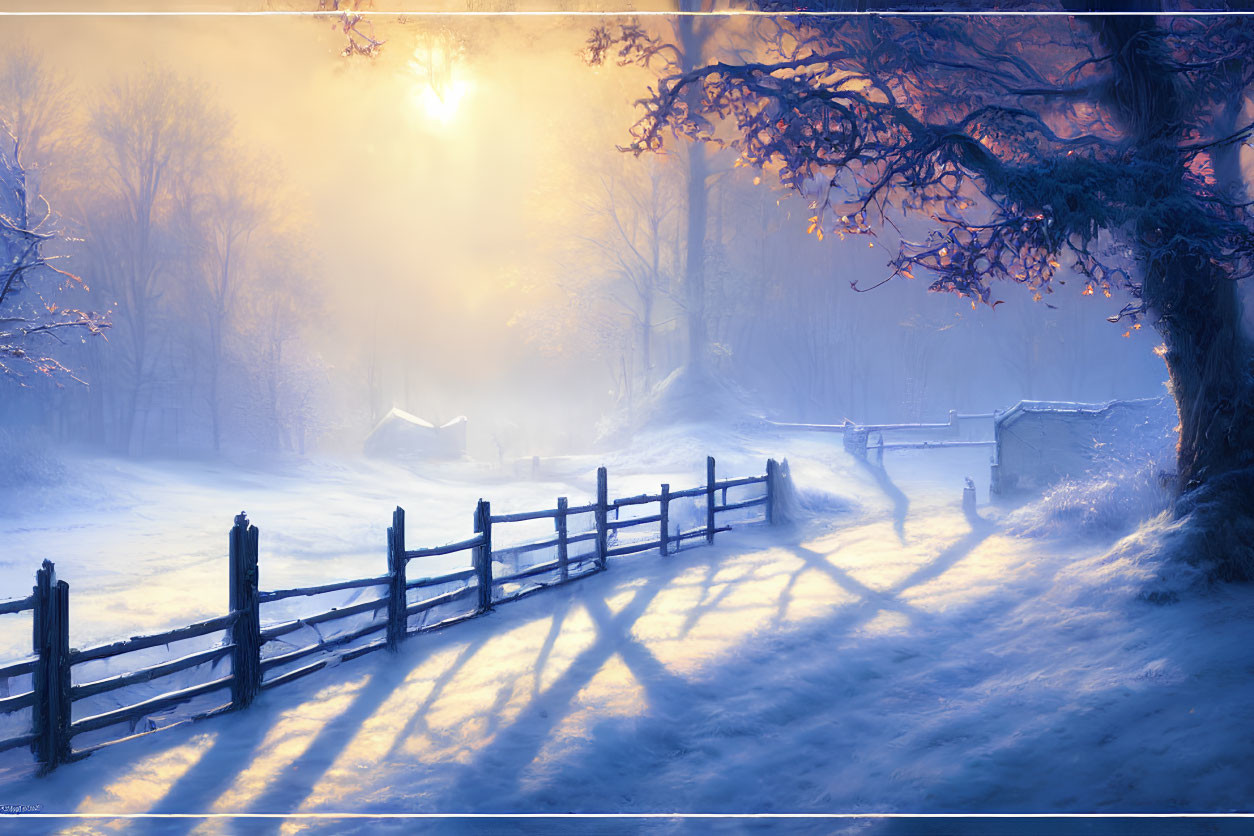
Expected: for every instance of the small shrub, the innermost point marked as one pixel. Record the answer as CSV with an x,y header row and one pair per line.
x,y
1110,504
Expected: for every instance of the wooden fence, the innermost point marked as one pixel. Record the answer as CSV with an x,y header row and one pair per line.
x,y
53,693
857,437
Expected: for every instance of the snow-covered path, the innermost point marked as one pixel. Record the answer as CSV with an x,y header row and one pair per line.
x,y
904,659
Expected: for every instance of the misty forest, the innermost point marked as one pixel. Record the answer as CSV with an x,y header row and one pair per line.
x,y
837,410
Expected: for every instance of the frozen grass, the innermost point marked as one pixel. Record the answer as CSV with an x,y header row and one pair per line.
x,y
1205,537
1105,505
683,399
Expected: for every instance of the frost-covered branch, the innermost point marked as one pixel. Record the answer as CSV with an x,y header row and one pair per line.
x,y
28,279
359,35
1004,134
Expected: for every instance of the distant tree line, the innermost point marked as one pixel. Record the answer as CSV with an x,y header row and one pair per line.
x,y
179,259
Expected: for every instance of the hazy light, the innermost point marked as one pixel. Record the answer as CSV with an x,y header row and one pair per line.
x,y
441,79
442,108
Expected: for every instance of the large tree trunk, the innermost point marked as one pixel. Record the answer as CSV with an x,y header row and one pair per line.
x,y
646,339
1198,313
694,268
1199,317
215,408
1192,301
691,43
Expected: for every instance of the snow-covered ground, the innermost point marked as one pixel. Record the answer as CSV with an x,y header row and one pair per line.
x,y
886,653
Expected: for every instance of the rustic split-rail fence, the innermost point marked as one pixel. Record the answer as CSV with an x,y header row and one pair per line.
x,y
51,667
864,439
1034,444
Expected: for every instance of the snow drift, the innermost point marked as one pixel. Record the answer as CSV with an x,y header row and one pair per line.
x,y
686,397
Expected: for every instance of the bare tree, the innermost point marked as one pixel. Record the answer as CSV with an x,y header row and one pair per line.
x,y
685,50
219,216
358,30
635,205
35,108
279,380
153,132
1108,142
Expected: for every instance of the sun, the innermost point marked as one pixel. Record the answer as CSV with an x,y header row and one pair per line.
x,y
441,84
442,106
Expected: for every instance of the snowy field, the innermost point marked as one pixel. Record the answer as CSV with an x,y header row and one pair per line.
x,y
884,654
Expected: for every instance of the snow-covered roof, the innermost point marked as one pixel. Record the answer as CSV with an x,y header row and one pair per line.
x,y
1070,406
403,433
398,414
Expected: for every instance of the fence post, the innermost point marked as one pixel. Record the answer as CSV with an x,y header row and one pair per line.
x,y
560,521
855,439
51,709
244,601
709,499
397,603
603,501
664,512
772,489
483,554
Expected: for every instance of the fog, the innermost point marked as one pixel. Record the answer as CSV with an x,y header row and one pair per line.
x,y
450,228
325,335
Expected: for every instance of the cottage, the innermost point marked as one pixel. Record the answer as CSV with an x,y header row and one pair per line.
x,y
400,435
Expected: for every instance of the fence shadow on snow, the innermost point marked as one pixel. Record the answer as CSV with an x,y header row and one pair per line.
x,y
261,653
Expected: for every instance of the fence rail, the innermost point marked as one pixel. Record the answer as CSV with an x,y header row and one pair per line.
x,y
451,548
18,605
951,423
452,577
130,645
191,660
52,696
18,668
857,438
280,594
